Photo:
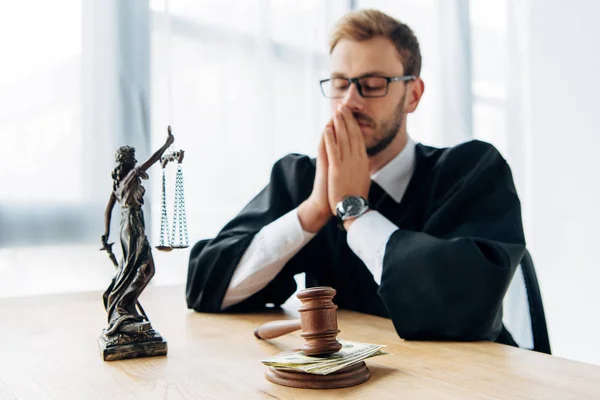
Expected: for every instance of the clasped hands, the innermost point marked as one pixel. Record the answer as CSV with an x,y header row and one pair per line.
x,y
342,170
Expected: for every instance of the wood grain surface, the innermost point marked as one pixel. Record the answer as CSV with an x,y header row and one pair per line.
x,y
48,349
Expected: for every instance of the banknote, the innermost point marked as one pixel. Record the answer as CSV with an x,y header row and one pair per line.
x,y
350,354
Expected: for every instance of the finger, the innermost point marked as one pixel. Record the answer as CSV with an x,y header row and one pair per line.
x,y
348,139
322,149
330,126
341,134
331,147
351,123
322,152
355,136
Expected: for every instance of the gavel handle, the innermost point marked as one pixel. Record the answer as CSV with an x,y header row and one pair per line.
x,y
275,329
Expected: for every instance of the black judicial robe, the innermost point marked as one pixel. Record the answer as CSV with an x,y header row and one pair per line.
x,y
445,271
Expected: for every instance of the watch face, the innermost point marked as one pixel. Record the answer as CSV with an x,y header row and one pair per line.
x,y
352,205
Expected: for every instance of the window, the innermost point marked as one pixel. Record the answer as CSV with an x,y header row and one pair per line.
x,y
40,104
238,82
490,71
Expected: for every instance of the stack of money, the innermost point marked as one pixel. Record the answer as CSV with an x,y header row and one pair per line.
x,y
350,354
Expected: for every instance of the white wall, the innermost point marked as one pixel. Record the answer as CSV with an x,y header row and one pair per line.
x,y
564,235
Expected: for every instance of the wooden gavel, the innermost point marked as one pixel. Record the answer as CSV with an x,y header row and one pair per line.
x,y
318,321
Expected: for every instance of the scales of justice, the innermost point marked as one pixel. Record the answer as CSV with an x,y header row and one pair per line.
x,y
129,333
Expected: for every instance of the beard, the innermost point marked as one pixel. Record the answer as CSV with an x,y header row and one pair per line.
x,y
385,131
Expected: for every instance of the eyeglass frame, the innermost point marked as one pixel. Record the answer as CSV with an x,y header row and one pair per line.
x,y
389,79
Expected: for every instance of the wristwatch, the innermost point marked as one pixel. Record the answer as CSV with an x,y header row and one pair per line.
x,y
351,207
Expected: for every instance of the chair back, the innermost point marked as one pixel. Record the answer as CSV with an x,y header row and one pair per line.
x,y
524,315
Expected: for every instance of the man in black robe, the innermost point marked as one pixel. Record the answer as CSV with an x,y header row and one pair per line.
x,y
429,237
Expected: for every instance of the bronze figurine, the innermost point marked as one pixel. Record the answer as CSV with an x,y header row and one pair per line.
x,y
129,333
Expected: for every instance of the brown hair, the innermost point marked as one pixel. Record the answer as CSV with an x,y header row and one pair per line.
x,y
362,25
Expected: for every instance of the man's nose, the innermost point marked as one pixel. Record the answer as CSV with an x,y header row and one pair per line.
x,y
353,100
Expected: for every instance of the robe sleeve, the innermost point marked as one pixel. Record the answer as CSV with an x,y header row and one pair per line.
x,y
213,262
448,282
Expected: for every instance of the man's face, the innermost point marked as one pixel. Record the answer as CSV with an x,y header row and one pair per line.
x,y
379,118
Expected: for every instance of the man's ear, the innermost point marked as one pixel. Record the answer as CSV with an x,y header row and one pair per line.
x,y
415,92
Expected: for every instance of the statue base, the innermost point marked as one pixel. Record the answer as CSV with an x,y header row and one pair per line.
x,y
350,376
120,345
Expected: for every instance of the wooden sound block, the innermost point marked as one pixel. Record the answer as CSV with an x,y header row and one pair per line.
x,y
350,376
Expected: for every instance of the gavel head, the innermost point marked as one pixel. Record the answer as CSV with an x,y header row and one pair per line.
x,y
319,321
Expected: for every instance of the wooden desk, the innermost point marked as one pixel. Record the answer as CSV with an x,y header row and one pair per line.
x,y
48,350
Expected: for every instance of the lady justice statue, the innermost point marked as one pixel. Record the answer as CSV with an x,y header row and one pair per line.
x,y
129,333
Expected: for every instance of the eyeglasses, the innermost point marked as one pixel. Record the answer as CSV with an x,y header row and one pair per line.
x,y
368,86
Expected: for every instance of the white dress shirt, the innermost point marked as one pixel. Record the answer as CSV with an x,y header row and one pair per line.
x,y
276,243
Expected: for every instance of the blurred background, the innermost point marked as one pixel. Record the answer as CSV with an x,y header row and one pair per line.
x,y
238,82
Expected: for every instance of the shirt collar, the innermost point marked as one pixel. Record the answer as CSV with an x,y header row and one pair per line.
x,y
395,175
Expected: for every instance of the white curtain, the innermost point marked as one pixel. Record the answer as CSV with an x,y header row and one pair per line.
x,y
238,83
74,85
40,117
